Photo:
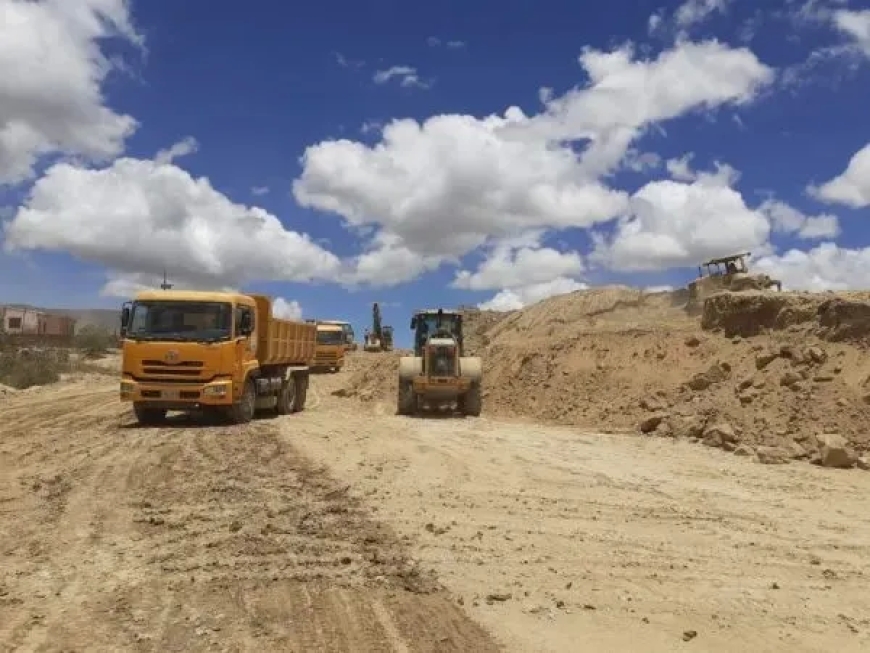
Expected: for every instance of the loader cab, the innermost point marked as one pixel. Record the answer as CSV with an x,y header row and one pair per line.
x,y
439,324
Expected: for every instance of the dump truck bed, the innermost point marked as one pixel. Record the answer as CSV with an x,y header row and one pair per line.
x,y
283,342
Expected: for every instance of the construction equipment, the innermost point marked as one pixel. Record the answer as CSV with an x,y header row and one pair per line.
x,y
726,273
378,338
439,373
331,347
387,338
212,352
347,329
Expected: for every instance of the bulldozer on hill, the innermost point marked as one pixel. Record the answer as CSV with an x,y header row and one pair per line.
x,y
378,338
727,273
439,374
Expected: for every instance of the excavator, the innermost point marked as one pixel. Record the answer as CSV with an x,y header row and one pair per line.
x,y
379,337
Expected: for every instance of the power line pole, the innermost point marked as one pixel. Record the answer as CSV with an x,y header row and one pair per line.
x,y
165,285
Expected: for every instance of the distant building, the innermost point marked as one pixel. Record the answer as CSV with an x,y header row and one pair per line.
x,y
17,320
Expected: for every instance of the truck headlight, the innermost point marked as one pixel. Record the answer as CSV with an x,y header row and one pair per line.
x,y
216,390
127,388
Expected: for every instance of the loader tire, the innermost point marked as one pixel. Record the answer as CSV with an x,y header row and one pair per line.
x,y
471,402
243,410
406,401
148,415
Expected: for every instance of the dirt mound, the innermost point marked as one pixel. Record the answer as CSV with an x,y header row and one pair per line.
x,y
604,308
769,371
371,376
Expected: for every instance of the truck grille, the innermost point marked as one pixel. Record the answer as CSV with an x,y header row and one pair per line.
x,y
181,370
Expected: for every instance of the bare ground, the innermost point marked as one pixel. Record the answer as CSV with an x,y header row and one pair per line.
x,y
115,537
318,531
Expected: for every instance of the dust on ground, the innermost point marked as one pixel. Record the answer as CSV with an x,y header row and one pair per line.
x,y
780,373
195,538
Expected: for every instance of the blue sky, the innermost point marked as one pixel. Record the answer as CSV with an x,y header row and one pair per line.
x,y
255,85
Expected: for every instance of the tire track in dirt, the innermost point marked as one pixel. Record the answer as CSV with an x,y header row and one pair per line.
x,y
611,540
196,537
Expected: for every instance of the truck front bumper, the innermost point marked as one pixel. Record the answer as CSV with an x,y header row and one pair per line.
x,y
176,396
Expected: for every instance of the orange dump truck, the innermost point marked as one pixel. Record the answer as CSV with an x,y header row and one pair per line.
x,y
331,346
213,352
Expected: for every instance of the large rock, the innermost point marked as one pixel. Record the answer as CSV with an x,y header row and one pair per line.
x,y
719,434
834,451
772,455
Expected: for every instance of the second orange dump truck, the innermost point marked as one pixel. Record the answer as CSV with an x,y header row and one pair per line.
x,y
331,347
212,352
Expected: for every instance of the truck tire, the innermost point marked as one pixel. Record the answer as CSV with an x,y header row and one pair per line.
x,y
243,410
148,415
301,381
287,397
406,401
470,404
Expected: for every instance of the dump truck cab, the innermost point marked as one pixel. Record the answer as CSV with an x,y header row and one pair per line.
x,y
347,331
331,347
212,351
439,373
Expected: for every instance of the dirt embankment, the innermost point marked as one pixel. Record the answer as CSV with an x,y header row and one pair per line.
x,y
758,373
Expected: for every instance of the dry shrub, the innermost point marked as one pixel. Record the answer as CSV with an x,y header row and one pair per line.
x,y
94,342
22,367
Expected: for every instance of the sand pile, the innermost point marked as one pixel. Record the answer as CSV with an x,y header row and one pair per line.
x,y
371,376
768,373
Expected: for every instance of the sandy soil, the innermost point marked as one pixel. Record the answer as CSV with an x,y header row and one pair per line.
x,y
115,537
346,528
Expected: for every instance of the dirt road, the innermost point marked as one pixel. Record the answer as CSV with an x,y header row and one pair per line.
x,y
317,532
115,537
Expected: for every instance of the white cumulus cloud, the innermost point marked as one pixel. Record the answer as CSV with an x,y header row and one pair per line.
x,y
141,217
452,183
826,267
51,75
856,24
787,219
673,224
852,187
285,310
513,299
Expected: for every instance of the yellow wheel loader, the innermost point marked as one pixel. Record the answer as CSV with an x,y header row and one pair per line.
x,y
438,374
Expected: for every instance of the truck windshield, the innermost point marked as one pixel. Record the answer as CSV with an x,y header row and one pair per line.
x,y
181,321
330,338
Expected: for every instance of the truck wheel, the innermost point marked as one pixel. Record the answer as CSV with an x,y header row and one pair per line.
x,y
242,411
287,397
148,415
406,400
301,382
471,403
